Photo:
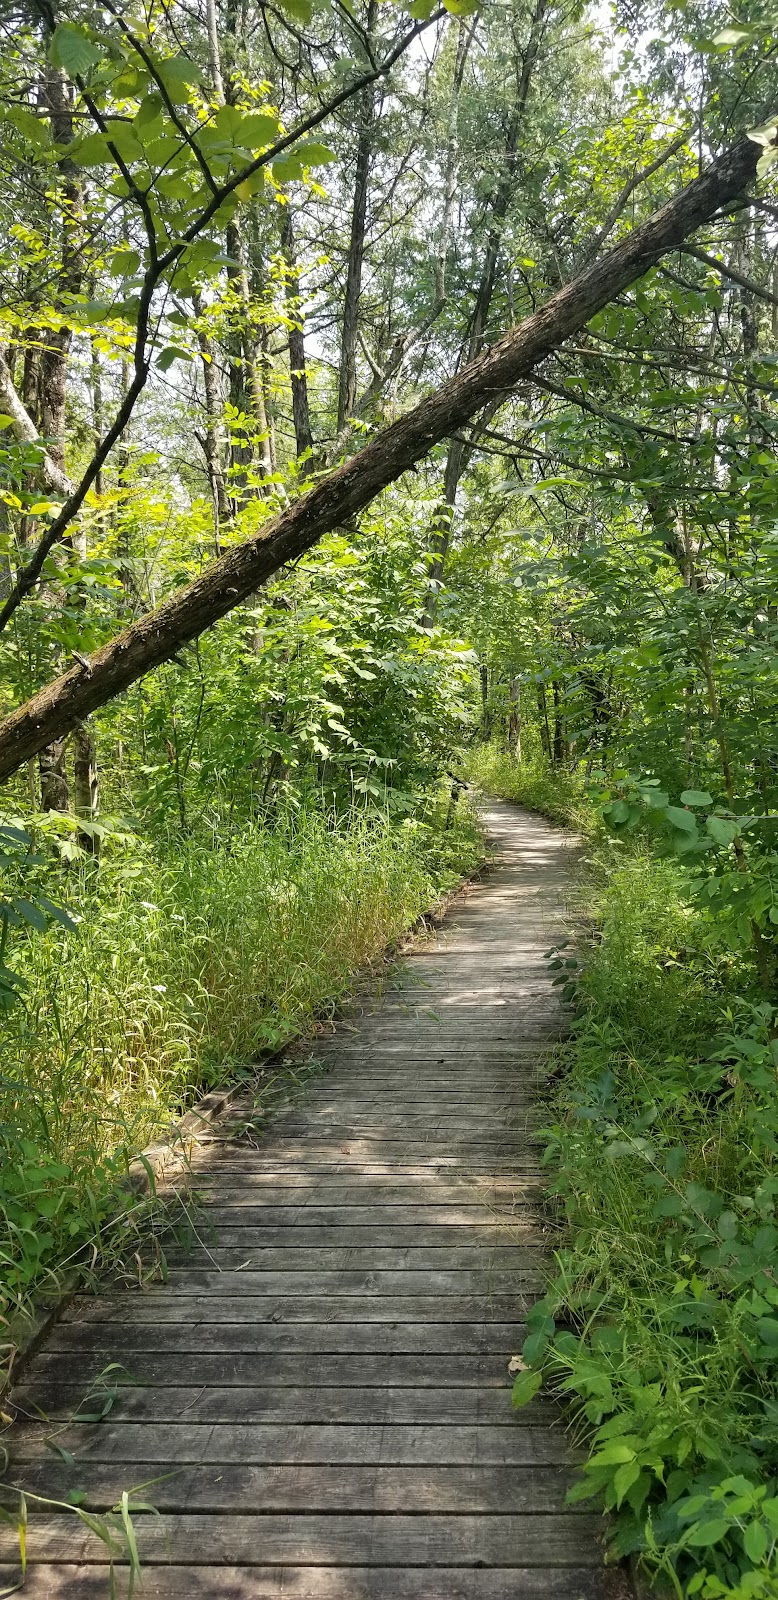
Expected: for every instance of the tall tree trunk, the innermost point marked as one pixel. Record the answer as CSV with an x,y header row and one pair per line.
x,y
514,718
96,378
486,710
214,429
347,377
559,727
545,731
297,364
86,787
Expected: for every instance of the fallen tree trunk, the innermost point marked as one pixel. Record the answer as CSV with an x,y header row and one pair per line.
x,y
350,487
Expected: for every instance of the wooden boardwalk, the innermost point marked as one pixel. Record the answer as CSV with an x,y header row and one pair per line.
x,y
321,1390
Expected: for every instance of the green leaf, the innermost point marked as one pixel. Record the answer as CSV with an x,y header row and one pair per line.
x,y
708,1532
727,1227
31,913
33,128
728,37
534,1348
125,263
624,1477
722,829
170,354
287,169
696,797
301,10
177,74
767,1328
681,819
72,49
90,152
525,1388
59,913
655,798
258,129
227,121
313,154
149,111
756,1542
617,1453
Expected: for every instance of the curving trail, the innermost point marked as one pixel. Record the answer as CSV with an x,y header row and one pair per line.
x,y
322,1386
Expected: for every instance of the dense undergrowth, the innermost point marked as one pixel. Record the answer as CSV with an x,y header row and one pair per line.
x,y
187,963
660,1324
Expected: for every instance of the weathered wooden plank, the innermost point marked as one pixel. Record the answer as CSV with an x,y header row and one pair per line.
x,y
224,1397
376,1178
218,1367
365,1215
316,1260
289,1338
378,1120
155,1443
219,1238
468,1541
230,1487
159,1306
228,1582
346,1283
368,1149
379,1189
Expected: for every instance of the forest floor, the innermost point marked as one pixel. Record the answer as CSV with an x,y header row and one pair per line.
x,y
318,1400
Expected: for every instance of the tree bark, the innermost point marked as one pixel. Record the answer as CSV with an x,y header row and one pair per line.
x,y
86,789
297,366
214,428
347,380
559,727
346,491
514,719
545,732
486,710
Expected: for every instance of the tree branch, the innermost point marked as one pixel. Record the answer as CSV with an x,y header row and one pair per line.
x,y
633,183
25,432
732,273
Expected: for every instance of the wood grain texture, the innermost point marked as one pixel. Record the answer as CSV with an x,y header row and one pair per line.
x,y
318,1398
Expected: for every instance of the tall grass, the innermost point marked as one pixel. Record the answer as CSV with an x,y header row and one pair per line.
x,y
184,967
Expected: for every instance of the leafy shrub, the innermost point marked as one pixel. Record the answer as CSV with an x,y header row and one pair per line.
x,y
660,1324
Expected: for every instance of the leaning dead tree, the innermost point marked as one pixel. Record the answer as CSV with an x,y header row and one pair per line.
x,y
349,488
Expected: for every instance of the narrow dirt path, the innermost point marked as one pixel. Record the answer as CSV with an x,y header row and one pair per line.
x,y
321,1389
